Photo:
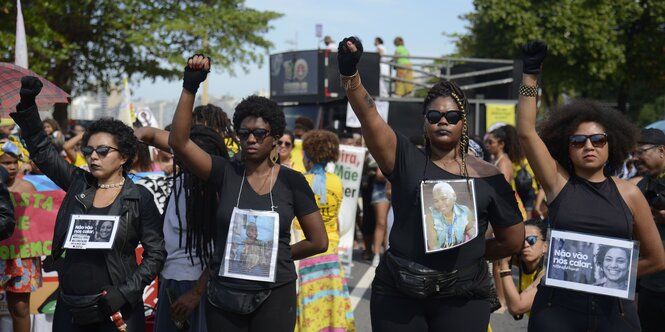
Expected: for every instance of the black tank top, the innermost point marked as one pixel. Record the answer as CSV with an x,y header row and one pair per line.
x,y
591,208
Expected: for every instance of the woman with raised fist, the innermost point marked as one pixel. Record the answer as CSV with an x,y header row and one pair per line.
x,y
574,158
454,294
256,193
97,283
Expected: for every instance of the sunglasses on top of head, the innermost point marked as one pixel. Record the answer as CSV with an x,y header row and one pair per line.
x,y
258,133
531,239
101,150
452,116
579,141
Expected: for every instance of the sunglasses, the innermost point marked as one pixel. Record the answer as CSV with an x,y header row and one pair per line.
x,y
286,144
434,116
531,239
102,150
640,152
258,133
579,141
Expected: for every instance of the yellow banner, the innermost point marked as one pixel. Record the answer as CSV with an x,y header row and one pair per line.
x,y
499,113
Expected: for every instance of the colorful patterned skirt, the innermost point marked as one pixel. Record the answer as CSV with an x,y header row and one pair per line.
x,y
323,297
20,275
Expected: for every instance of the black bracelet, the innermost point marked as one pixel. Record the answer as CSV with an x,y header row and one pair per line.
x,y
505,274
528,91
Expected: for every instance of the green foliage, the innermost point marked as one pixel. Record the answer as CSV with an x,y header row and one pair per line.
x,y
83,44
596,47
651,112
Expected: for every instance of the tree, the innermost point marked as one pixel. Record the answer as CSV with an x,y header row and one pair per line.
x,y
81,45
598,48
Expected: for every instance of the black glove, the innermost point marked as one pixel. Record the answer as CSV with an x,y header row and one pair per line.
x,y
112,301
194,77
346,60
30,88
533,55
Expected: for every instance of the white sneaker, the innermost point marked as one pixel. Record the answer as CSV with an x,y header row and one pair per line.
x,y
375,261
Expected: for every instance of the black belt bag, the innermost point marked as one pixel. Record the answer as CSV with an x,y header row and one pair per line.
x,y
237,301
84,309
419,281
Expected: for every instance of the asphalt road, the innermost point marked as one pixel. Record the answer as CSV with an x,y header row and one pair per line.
x,y
359,287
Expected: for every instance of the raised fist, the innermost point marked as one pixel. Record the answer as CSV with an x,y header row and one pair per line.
x,y
30,88
196,71
533,55
348,54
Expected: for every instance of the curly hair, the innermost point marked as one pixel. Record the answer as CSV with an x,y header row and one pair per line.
x,y
508,136
602,251
562,122
321,146
122,134
264,108
450,89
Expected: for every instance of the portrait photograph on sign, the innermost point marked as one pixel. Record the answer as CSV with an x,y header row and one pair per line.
x,y
251,246
449,213
91,232
593,264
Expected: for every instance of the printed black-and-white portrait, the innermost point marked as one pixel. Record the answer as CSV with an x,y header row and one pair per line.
x,y
592,264
91,232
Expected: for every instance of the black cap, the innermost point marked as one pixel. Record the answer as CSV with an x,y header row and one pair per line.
x,y
652,136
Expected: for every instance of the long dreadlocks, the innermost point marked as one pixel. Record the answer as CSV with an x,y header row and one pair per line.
x,y
201,199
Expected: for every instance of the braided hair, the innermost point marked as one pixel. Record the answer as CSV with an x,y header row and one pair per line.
x,y
201,199
450,89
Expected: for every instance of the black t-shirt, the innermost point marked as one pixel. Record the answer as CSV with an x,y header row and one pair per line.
x,y
291,194
495,203
84,272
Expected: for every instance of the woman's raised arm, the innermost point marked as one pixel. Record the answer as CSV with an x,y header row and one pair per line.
x,y
547,171
197,161
380,138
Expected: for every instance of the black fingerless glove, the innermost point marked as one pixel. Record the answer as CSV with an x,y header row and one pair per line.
x,y
30,88
347,61
533,55
112,301
193,77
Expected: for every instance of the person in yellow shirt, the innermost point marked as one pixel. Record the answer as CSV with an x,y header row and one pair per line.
x,y
323,297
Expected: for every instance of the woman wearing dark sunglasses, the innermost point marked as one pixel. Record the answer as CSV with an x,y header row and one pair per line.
x,y
253,186
96,283
579,148
459,299
530,266
284,149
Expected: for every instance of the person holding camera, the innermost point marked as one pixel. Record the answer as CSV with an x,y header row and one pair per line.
x,y
650,162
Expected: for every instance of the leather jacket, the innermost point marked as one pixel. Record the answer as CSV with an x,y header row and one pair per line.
x,y
7,220
140,220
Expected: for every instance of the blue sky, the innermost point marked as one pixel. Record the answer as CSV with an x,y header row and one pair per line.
x,y
422,24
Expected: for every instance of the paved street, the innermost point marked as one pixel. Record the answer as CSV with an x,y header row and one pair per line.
x,y
359,286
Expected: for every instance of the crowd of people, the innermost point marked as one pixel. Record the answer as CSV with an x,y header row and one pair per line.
x,y
240,208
